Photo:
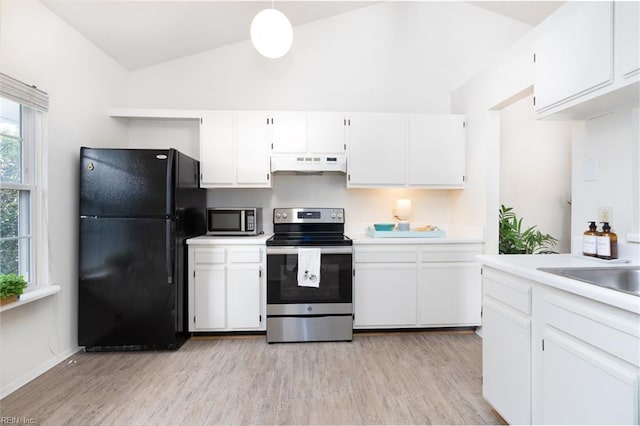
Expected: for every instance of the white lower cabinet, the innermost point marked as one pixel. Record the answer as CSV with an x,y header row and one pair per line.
x,y
385,295
209,296
552,357
449,294
506,346
416,285
584,386
506,362
243,296
226,290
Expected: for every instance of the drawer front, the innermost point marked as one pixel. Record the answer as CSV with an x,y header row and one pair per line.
x,y
508,289
385,256
209,255
244,255
609,329
450,252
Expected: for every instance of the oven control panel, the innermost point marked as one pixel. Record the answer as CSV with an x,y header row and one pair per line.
x,y
308,215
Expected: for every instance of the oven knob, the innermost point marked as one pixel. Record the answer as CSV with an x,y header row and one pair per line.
x,y
284,215
339,215
278,215
333,215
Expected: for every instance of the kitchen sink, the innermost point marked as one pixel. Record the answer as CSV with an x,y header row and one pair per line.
x,y
621,278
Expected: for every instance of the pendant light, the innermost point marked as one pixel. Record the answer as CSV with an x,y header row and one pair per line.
x,y
271,33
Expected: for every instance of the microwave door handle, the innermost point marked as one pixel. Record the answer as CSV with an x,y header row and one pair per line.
x,y
242,221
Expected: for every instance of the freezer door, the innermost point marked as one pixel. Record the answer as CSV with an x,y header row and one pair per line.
x,y
127,182
128,284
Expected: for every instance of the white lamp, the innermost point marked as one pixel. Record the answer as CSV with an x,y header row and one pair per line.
x,y
271,33
403,213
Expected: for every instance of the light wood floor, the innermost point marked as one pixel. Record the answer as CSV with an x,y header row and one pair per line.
x,y
395,378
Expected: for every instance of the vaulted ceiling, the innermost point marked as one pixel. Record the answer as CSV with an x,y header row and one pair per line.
x,y
141,33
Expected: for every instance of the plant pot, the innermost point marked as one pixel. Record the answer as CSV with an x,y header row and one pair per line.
x,y
8,299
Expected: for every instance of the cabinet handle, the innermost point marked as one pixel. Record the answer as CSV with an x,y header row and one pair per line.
x,y
349,121
267,176
345,121
267,121
272,121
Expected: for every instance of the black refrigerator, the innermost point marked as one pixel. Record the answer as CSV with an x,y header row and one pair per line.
x,y
137,208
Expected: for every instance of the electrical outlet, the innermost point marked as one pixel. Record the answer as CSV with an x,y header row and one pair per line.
x,y
605,214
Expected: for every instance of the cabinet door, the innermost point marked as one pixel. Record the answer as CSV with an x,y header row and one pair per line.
x,y
436,150
627,39
583,386
377,148
216,149
450,294
385,295
210,298
506,362
288,132
243,296
326,133
575,57
253,165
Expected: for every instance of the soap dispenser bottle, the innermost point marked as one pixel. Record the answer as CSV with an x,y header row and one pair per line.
x,y
589,240
607,243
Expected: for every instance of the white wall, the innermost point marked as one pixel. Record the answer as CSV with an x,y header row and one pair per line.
x,y
612,143
390,57
535,170
83,83
482,97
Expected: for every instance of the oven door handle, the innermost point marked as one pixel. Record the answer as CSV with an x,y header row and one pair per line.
x,y
323,250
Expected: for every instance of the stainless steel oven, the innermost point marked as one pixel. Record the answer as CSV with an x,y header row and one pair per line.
x,y
297,312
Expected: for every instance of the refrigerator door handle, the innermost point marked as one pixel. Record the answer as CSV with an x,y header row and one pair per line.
x,y
169,252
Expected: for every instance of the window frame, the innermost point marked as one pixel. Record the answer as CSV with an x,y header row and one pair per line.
x,y
31,145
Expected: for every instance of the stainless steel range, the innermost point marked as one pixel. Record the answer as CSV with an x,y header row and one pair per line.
x,y
309,277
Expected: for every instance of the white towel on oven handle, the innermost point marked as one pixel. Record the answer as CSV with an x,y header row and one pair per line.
x,y
309,267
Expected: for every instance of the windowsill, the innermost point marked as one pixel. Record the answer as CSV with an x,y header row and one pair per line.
x,y
32,296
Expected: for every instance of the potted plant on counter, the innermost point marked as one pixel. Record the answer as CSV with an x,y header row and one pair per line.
x,y
513,240
11,286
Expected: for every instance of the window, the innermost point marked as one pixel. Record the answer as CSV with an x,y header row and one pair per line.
x,y
16,188
22,235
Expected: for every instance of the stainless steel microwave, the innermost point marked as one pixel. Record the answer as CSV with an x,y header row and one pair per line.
x,y
234,221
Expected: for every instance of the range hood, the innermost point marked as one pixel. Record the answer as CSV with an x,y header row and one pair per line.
x,y
309,164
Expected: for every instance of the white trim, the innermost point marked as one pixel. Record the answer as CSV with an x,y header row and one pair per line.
x,y
31,296
41,369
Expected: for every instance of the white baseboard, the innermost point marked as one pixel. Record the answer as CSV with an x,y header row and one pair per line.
x,y
41,369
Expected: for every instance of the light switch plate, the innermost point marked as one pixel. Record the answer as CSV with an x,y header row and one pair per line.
x,y
590,170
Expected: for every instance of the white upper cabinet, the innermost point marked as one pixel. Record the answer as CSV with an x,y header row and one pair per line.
x,y
306,132
252,161
288,132
377,150
575,57
217,149
234,150
326,133
437,151
627,36
588,64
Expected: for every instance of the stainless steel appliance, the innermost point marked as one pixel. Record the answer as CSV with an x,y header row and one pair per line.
x,y
299,313
234,221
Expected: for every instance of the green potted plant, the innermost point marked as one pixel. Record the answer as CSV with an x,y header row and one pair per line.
x,y
11,286
513,240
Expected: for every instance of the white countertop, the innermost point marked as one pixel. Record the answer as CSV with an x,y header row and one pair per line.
x,y
208,239
526,265
365,239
